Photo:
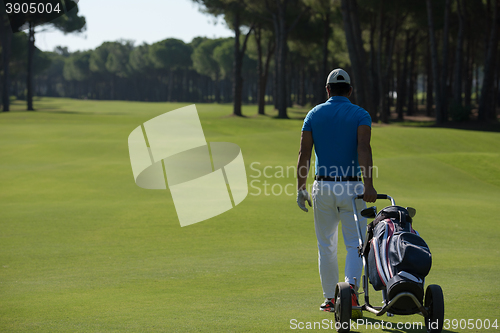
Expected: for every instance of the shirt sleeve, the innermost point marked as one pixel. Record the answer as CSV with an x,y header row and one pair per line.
x,y
307,122
364,118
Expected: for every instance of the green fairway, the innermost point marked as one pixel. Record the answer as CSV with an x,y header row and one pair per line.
x,y
84,249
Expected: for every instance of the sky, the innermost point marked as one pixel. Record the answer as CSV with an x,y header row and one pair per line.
x,y
142,21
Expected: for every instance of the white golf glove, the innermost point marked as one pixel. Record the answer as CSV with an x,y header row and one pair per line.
x,y
302,196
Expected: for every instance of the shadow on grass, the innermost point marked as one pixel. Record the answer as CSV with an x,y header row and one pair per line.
x,y
59,111
288,118
472,125
232,115
420,119
53,110
291,115
65,112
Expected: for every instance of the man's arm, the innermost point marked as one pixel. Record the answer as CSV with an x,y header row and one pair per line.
x,y
306,144
366,162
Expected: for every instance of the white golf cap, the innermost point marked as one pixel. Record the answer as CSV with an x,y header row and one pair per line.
x,y
338,76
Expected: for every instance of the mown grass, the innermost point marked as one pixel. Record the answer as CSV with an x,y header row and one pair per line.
x,y
83,249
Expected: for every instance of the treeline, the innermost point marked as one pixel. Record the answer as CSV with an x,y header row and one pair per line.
x,y
436,57
168,70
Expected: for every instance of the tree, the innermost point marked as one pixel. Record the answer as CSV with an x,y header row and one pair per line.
x,y
306,58
169,56
261,36
205,64
70,22
237,14
76,70
388,31
459,63
224,55
142,69
402,75
239,53
6,40
322,10
285,15
18,64
54,75
358,56
435,64
384,36
442,115
97,65
486,106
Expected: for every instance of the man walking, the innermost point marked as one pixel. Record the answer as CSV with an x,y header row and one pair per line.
x,y
340,132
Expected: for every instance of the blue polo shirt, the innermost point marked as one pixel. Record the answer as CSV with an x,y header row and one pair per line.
x,y
334,126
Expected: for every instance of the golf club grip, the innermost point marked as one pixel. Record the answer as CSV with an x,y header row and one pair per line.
x,y
379,196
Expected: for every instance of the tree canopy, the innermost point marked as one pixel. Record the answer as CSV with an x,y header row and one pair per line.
x,y
437,60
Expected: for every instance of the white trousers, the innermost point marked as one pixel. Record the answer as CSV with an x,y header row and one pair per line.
x,y
332,203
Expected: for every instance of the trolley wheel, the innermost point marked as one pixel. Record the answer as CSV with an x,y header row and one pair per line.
x,y
434,302
343,307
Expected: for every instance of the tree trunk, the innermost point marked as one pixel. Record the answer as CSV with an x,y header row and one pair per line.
x,y
391,89
265,78
469,76
496,95
457,86
262,69
324,65
430,86
374,68
399,94
238,60
281,54
290,83
302,86
444,72
353,54
275,77
485,105
281,32
476,86
31,51
217,85
6,50
381,84
357,56
402,79
412,76
435,64
170,87
385,72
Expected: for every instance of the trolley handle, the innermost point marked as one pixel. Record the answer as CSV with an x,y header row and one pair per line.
x,y
379,196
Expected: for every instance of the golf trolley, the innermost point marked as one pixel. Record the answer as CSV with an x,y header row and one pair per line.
x,y
405,297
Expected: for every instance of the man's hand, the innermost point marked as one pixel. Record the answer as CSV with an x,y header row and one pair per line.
x,y
369,195
302,196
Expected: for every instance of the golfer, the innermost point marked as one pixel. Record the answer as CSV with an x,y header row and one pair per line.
x,y
340,132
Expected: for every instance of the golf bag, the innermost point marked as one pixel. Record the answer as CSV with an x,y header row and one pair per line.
x,y
398,259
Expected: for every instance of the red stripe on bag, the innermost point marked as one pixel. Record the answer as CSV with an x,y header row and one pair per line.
x,y
390,224
377,261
